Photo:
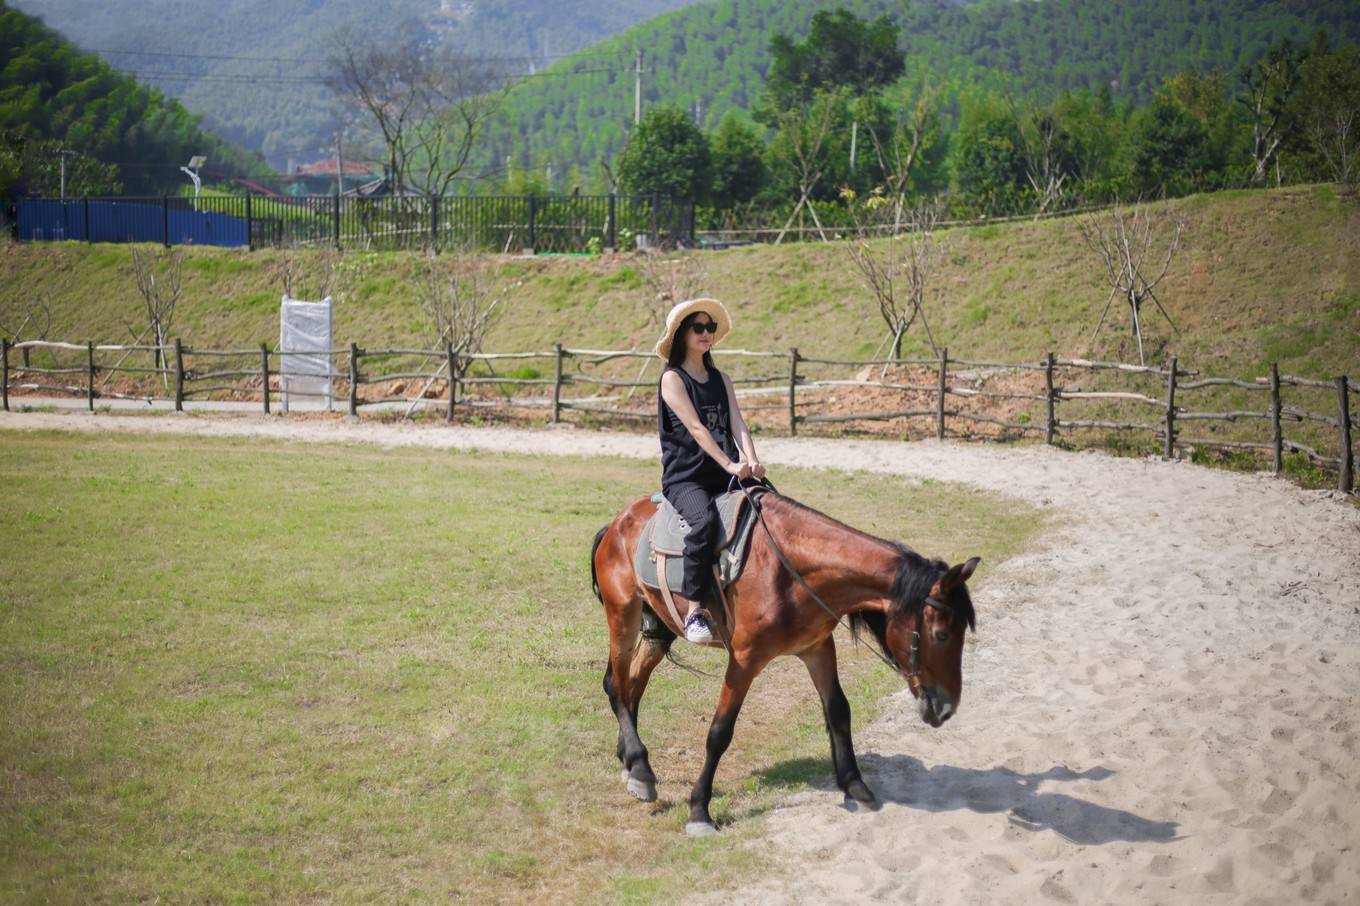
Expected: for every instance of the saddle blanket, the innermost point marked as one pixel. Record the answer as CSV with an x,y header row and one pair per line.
x,y
665,533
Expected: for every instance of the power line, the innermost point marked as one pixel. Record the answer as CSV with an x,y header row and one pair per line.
x,y
527,58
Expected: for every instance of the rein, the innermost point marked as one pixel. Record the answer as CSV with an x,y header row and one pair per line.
x,y
913,670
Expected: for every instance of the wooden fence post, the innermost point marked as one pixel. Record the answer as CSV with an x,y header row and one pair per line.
x,y
1048,396
179,375
4,371
793,384
1345,481
944,378
1168,448
453,381
354,379
1276,433
557,383
89,387
264,368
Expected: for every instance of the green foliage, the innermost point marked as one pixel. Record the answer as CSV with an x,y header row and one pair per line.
x,y
739,171
715,55
52,97
1173,152
841,50
667,153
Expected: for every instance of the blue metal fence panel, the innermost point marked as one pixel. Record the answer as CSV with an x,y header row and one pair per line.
x,y
127,221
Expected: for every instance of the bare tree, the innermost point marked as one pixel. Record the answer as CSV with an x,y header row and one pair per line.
x,y
1269,84
318,271
1041,141
895,270
669,280
460,304
898,152
158,280
35,324
428,106
803,133
1129,242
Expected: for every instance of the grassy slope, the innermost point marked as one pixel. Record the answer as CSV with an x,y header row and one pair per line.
x,y
1262,276
236,672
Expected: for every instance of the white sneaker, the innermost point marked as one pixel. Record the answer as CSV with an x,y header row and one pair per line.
x,y
696,629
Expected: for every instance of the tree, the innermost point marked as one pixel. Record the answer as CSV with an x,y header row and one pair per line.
x,y
1125,239
1269,83
841,50
668,154
1328,112
896,269
899,152
158,281
1171,149
989,162
738,162
1046,152
428,106
801,147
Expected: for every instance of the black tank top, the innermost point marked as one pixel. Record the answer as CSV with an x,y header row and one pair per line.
x,y
682,459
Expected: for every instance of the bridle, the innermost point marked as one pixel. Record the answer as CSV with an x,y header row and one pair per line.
x,y
913,671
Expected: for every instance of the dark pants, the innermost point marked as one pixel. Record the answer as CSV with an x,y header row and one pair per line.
x,y
695,503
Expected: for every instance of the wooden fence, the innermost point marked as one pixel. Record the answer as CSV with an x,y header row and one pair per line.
x,y
189,372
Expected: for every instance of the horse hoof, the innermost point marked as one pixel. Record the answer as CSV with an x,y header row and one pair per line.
x,y
638,789
855,805
700,829
641,789
856,793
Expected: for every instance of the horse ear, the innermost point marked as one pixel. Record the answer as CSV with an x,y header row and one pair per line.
x,y
958,574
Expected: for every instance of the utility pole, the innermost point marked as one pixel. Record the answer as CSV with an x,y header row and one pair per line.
x,y
339,165
637,88
63,152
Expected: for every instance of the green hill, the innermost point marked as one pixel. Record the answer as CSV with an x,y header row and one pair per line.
x,y
712,58
123,134
253,67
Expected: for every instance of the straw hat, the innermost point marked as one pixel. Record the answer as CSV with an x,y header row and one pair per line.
x,y
711,307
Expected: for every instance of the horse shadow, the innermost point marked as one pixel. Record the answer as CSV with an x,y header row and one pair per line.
x,y
906,781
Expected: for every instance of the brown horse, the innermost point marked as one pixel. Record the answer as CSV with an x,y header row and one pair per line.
x,y
915,609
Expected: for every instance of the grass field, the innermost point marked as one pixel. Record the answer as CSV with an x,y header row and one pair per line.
x,y
243,672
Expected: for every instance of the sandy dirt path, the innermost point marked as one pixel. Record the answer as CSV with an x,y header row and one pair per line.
x,y
1162,706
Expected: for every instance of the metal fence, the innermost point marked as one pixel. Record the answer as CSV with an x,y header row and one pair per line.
x,y
544,223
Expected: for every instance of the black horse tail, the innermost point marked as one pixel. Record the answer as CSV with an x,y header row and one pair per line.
x,y
594,579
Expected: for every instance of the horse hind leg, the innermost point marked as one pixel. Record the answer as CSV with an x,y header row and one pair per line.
x,y
630,666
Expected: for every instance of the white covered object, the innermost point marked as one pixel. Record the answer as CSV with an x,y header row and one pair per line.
x,y
305,329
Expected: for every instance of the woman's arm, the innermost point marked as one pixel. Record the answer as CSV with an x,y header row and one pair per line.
x,y
741,432
673,392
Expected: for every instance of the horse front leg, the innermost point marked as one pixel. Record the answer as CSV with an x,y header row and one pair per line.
x,y
735,686
821,664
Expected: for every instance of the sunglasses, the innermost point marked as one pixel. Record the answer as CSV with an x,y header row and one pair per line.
x,y
710,327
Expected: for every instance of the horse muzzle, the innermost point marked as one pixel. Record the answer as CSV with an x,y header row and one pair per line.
x,y
936,706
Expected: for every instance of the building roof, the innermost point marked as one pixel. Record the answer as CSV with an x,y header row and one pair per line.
x,y
329,168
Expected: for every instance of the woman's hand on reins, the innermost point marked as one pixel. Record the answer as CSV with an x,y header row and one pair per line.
x,y
757,470
739,469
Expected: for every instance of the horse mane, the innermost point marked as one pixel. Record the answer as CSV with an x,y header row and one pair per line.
x,y
915,577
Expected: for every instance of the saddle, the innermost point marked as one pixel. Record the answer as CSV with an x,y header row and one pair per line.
x,y
658,559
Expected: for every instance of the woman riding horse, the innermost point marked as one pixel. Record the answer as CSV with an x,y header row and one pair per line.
x,y
701,429
805,574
